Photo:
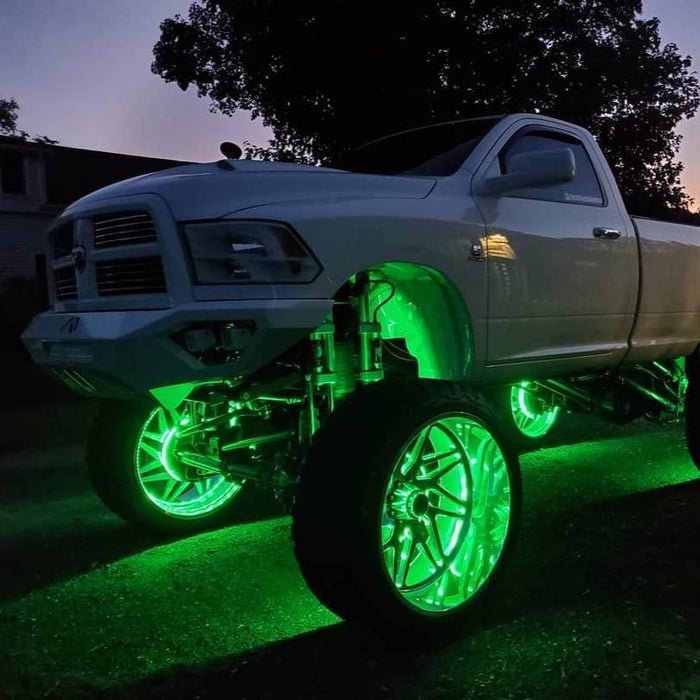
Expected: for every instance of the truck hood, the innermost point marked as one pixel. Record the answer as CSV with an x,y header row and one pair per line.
x,y
212,190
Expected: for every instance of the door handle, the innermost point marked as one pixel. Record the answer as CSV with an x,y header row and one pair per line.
x,y
608,234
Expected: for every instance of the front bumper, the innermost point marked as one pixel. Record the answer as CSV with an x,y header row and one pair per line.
x,y
122,354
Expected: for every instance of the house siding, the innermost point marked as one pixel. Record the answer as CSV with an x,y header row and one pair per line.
x,y
54,177
22,237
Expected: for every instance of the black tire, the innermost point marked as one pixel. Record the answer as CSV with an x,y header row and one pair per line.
x,y
692,412
112,471
342,493
520,439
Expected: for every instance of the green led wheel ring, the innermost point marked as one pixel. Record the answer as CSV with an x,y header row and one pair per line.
x,y
529,418
446,513
161,483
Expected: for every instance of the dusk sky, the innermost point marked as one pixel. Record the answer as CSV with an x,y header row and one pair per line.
x,y
80,70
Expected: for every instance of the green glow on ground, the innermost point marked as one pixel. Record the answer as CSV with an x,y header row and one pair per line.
x,y
193,601
597,471
602,602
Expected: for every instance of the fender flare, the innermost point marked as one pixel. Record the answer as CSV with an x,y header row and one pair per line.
x,y
427,311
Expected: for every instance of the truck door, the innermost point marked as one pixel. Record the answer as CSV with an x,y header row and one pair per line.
x,y
562,264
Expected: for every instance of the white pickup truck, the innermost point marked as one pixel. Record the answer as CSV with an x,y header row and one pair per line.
x,y
355,338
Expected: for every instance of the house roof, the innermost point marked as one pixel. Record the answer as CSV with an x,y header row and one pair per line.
x,y
44,147
72,173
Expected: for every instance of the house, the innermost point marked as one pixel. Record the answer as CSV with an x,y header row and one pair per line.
x,y
37,181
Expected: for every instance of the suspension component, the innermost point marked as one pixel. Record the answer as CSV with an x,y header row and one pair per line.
x,y
567,391
333,369
258,440
370,334
655,390
668,404
344,369
323,355
322,374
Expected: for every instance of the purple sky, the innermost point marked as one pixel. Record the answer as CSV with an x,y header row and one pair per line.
x,y
80,71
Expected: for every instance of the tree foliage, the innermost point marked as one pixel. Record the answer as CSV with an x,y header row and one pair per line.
x,y
9,110
8,116
330,74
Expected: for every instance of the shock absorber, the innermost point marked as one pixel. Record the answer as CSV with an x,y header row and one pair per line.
x,y
323,353
370,334
322,375
332,367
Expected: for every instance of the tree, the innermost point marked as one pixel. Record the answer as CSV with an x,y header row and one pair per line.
x,y
8,116
8,123
328,75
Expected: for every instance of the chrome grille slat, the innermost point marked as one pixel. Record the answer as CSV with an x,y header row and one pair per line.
x,y
116,237
66,284
106,221
109,219
124,241
123,228
140,226
122,279
130,276
141,220
125,267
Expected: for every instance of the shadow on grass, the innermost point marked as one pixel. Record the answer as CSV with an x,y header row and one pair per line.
x,y
38,556
42,559
629,561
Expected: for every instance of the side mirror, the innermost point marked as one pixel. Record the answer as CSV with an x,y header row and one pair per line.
x,y
528,170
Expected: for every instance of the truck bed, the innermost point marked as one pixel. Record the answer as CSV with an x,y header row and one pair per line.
x,y
669,294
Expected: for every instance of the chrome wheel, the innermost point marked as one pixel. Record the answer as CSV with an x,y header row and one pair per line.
x,y
172,489
531,417
446,513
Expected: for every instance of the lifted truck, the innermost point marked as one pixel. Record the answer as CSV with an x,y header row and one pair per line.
x,y
355,338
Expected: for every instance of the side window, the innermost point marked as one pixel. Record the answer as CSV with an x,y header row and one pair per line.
x,y
584,189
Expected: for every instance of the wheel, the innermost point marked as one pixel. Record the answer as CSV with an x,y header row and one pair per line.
x,y
136,478
407,506
692,412
527,417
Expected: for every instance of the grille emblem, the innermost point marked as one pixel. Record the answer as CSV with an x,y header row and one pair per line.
x,y
78,255
71,325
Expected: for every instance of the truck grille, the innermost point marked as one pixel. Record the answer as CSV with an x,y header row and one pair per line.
x,y
134,276
123,228
66,285
109,254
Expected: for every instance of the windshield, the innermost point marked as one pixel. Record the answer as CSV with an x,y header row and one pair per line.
x,y
430,150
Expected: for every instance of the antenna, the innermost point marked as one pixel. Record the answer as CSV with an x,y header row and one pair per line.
x,y
231,150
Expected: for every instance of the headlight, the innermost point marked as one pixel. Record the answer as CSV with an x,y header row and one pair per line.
x,y
249,252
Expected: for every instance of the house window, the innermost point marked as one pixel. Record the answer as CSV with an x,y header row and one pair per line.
x,y
12,173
